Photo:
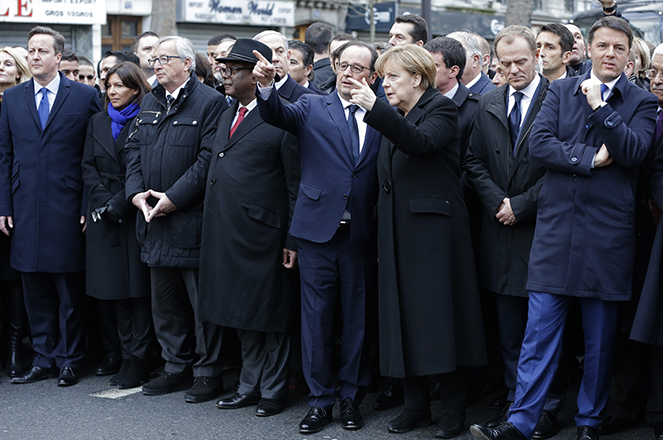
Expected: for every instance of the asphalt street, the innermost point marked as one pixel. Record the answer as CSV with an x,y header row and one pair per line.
x,y
92,410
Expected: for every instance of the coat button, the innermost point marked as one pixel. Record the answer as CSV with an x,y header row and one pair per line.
x,y
213,181
354,175
345,197
194,123
221,154
154,122
575,177
120,221
175,123
386,186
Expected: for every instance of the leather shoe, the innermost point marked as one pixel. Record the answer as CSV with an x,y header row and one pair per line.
x,y
35,374
587,433
110,365
167,383
612,425
204,389
408,420
390,397
237,401
115,380
501,400
658,431
451,425
269,407
315,419
351,418
67,377
501,418
546,427
505,431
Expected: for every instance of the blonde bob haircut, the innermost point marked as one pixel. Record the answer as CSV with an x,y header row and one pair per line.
x,y
21,65
413,59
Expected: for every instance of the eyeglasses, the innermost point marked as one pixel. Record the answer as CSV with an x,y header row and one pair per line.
x,y
228,71
354,68
163,60
653,73
83,77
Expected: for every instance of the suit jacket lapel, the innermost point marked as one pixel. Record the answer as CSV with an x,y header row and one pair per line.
x,y
103,133
337,113
250,121
63,91
30,97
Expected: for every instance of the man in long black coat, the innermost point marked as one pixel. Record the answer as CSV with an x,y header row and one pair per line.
x,y
251,192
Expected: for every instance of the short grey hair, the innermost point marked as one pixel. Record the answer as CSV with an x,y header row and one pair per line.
x,y
468,41
270,32
183,47
658,50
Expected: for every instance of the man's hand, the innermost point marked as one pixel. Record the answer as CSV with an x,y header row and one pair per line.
x,y
140,202
362,94
163,206
602,157
592,89
6,224
83,222
289,259
607,3
264,70
505,214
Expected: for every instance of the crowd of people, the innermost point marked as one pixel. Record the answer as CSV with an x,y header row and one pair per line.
x,y
438,218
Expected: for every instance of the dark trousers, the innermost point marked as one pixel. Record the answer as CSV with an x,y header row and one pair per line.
x,y
264,364
134,326
453,392
540,355
512,320
336,271
54,305
182,337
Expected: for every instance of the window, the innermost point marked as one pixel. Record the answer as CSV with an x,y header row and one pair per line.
x,y
119,32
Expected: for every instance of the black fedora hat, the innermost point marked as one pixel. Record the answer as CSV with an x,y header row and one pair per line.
x,y
243,51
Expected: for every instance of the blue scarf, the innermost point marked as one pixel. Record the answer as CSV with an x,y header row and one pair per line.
x,y
120,117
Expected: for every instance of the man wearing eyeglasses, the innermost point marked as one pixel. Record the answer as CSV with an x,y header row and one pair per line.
x,y
335,230
168,156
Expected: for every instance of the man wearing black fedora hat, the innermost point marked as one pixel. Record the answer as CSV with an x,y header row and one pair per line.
x,y
246,249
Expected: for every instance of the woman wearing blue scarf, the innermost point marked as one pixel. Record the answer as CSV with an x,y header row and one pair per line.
x,y
115,274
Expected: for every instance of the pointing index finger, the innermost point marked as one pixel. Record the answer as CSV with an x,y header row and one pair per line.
x,y
260,57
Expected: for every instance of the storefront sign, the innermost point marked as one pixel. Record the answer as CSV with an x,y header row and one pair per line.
x,y
384,14
246,12
53,11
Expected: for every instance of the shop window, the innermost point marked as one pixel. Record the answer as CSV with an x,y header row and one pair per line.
x,y
119,32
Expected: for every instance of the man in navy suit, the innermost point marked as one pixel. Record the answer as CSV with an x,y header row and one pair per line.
x,y
335,227
584,241
42,204
286,86
473,77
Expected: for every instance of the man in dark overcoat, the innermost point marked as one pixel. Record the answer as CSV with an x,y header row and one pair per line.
x,y
42,203
584,241
251,192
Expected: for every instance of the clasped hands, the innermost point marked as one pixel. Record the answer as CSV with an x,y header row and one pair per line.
x,y
164,205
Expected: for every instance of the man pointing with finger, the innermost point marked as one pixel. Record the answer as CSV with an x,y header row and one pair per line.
x,y
584,242
335,229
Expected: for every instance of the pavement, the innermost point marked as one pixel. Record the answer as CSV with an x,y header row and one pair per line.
x,y
92,410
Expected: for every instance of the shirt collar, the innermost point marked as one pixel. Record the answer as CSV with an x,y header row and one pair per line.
x,y
347,104
52,86
610,84
528,91
280,83
250,106
474,81
176,92
451,93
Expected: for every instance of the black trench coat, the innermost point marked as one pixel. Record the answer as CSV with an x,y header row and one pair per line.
x,y
114,269
429,310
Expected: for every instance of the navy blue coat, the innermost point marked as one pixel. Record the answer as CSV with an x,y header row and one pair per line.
x,y
328,173
584,243
482,86
41,181
291,91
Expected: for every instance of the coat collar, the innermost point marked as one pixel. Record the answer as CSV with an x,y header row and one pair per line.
x,y
250,122
63,91
620,89
159,92
461,94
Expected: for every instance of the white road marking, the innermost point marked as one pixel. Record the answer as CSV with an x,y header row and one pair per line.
x,y
116,393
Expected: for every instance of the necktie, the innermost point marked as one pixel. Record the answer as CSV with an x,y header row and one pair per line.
x,y
603,90
43,109
514,120
240,118
659,126
354,131
169,100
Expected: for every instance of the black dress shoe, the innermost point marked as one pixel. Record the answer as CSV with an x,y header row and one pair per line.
x,y
204,389
269,407
505,431
115,380
612,425
110,365
351,418
390,397
167,383
501,418
315,419
67,377
658,431
35,374
587,433
546,427
408,420
451,425
237,401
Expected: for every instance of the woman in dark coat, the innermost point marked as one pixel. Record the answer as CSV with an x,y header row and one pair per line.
x,y
115,273
429,310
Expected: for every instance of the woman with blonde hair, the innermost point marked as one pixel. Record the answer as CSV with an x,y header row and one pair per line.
x,y
429,310
13,71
